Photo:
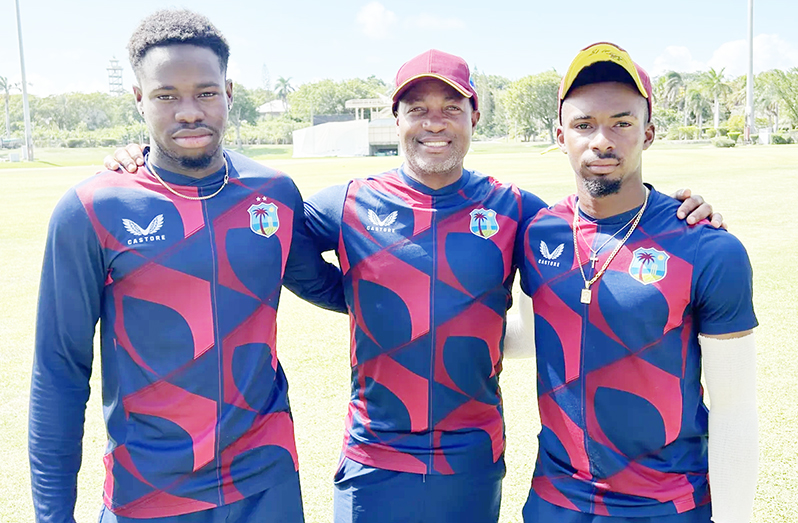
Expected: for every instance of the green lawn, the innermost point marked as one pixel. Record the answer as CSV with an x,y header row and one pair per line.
x,y
755,187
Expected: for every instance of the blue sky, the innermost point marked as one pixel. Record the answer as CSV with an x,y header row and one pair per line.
x,y
68,45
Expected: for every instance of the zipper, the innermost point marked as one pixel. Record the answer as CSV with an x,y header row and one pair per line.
x,y
590,271
217,343
433,334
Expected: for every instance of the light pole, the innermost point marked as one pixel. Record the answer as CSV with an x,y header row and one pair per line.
x,y
28,150
749,98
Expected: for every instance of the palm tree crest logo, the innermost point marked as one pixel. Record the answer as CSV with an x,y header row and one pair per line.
x,y
263,219
648,265
483,223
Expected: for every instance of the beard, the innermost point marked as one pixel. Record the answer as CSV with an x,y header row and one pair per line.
x,y
189,163
424,165
601,187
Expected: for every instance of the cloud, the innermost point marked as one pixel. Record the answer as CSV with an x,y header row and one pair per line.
x,y
428,21
676,58
770,52
375,20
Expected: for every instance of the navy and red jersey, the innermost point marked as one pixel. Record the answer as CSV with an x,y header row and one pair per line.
x,y
427,279
186,292
624,425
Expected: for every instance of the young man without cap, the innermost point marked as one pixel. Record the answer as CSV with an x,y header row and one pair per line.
x,y
629,304
182,263
427,255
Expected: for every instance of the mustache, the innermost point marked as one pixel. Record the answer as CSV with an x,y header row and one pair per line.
x,y
609,155
194,127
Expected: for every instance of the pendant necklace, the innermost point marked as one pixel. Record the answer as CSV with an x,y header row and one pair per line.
x,y
594,253
587,294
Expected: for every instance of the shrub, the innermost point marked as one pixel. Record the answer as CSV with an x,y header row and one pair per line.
x,y
736,123
722,141
779,139
711,132
754,138
689,132
76,142
733,135
723,130
673,133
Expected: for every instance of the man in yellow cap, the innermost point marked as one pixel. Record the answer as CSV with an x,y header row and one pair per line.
x,y
629,303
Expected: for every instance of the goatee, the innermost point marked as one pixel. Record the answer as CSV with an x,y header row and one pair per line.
x,y
600,187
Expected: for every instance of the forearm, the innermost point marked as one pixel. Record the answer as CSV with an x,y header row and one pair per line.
x,y
519,339
730,369
55,432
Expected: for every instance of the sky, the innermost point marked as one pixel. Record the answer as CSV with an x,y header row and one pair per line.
x,y
68,45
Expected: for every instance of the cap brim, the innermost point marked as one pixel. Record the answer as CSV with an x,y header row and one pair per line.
x,y
601,53
413,79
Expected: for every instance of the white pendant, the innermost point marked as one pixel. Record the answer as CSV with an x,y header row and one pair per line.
x,y
586,296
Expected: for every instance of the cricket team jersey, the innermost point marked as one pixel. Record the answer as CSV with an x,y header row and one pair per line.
x,y
194,398
624,426
427,279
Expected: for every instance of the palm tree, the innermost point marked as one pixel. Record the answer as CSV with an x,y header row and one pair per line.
x,y
645,258
694,102
5,87
282,87
767,97
480,217
672,85
713,83
261,213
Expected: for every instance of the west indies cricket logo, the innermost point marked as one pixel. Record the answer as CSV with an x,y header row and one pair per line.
x,y
263,219
648,265
483,223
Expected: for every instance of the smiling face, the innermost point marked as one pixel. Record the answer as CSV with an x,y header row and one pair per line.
x,y
435,126
184,98
604,133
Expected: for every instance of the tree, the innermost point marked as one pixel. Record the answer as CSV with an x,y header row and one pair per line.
x,y
283,87
244,109
670,87
767,98
329,96
715,86
786,85
6,86
696,103
492,121
531,103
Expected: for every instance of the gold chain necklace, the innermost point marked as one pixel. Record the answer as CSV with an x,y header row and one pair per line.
x,y
194,198
594,253
587,294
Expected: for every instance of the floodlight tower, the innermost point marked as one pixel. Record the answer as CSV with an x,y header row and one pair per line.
x,y
115,77
750,120
28,149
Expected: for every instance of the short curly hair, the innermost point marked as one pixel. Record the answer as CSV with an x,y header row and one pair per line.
x,y
173,26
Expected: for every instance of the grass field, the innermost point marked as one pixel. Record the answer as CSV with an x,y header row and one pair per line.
x,y
754,187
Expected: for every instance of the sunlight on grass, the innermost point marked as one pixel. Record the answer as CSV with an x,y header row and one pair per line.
x,y
754,187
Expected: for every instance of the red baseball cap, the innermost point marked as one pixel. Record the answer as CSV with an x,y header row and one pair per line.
x,y
435,64
604,52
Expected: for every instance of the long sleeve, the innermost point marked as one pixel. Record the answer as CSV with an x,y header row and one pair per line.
x,y
307,274
730,369
70,294
519,341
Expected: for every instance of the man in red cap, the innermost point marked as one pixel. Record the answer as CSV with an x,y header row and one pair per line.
x,y
629,303
427,253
